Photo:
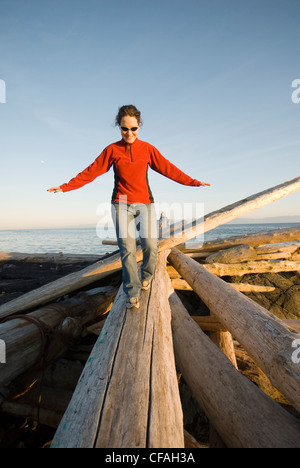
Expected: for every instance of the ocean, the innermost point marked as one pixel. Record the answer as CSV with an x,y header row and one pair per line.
x,y
89,241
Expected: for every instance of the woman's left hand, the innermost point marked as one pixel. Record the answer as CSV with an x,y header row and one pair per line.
x,y
54,189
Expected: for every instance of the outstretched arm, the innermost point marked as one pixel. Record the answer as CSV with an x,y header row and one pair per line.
x,y
101,165
160,164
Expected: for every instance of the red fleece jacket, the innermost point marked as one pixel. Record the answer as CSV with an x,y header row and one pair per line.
x,y
130,163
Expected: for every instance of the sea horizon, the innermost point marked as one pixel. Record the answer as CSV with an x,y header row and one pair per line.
x,y
88,240
238,221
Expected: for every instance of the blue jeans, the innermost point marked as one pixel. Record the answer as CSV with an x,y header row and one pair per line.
x,y
130,220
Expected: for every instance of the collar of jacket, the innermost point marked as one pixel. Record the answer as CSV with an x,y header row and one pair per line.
x,y
124,143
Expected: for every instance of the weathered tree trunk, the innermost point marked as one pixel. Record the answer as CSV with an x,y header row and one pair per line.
x,y
62,286
260,238
105,267
229,213
242,414
238,254
127,396
50,418
45,405
246,268
263,336
178,283
58,258
209,323
58,325
243,287
268,249
224,341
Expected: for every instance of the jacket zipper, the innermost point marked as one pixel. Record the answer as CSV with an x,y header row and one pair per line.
x,y
129,147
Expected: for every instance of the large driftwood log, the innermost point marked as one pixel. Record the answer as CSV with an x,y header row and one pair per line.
x,y
268,249
246,268
238,254
209,323
58,258
244,253
179,283
58,324
263,336
128,394
105,267
260,238
45,405
222,339
243,415
228,213
50,418
62,286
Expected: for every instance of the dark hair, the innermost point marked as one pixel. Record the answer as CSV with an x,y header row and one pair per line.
x,y
130,110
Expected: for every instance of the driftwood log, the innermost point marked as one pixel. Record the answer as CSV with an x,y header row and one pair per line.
x,y
267,340
209,323
127,396
242,414
62,286
50,331
52,404
179,283
228,213
57,258
245,268
276,236
108,266
244,253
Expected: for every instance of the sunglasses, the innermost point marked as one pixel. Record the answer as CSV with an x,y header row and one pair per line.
x,y
132,129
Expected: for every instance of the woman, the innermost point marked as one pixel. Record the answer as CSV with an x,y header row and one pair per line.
x,y
132,200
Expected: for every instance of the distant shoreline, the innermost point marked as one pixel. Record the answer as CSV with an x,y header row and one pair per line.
x,y
236,222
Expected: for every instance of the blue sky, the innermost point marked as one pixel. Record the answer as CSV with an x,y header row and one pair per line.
x,y
213,79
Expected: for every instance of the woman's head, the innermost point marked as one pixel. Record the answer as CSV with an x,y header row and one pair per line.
x,y
129,120
129,110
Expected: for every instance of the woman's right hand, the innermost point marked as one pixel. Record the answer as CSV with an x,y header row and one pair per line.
x,y
54,189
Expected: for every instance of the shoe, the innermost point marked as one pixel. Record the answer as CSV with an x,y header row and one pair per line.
x,y
133,303
146,285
